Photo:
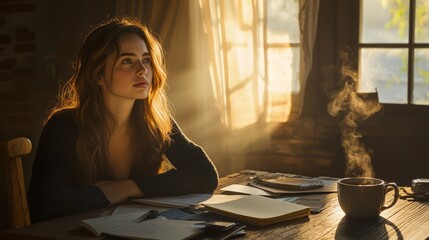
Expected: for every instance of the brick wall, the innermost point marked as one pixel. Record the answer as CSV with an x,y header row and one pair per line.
x,y
17,68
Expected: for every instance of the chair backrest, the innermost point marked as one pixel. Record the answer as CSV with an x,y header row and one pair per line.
x,y
11,152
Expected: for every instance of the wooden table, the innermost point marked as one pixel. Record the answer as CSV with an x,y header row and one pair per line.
x,y
406,220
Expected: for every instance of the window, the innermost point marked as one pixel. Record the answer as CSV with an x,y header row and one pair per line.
x,y
394,50
255,60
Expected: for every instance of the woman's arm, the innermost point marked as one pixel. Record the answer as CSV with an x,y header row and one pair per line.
x,y
194,173
119,191
52,192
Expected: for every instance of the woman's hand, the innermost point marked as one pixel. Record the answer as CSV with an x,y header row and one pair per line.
x,y
119,191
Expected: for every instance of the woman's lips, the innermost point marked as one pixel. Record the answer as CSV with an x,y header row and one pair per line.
x,y
141,85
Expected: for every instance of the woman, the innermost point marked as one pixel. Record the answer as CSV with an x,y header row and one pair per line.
x,y
111,136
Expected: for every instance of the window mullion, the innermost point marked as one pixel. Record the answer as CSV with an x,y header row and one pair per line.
x,y
265,53
384,45
411,32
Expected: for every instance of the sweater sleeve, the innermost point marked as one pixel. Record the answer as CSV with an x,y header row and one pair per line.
x,y
194,171
52,192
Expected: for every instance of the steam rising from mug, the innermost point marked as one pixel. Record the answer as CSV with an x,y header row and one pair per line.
x,y
350,108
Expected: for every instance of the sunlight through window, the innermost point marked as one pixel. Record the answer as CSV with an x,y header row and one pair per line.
x,y
255,62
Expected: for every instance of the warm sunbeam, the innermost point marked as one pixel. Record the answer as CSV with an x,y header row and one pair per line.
x,y
254,66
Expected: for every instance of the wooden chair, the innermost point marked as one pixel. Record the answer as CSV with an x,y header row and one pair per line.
x,y
11,152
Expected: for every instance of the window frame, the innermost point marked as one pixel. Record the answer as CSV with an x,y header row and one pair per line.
x,y
397,108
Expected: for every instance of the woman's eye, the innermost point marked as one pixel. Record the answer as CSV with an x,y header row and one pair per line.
x,y
146,61
127,61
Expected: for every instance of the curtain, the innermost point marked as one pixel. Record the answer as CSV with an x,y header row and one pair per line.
x,y
260,57
308,18
165,17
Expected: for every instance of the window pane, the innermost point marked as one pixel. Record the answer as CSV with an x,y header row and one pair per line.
x,y
384,21
283,70
283,74
282,21
422,21
386,71
421,77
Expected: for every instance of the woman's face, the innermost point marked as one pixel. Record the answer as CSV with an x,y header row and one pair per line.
x,y
130,77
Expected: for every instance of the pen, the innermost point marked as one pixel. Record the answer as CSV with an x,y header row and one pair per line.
x,y
149,215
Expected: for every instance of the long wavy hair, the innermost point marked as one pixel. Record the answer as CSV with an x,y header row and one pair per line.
x,y
150,118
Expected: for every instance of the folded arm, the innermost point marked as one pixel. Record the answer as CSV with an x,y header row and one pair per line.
x,y
194,171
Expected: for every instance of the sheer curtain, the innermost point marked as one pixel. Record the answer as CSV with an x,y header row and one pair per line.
x,y
260,57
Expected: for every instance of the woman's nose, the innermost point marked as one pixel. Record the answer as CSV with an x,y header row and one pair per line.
x,y
142,69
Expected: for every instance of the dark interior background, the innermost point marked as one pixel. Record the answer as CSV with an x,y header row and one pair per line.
x,y
39,41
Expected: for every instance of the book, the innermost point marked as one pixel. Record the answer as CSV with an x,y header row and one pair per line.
x,y
287,183
259,210
223,233
329,186
127,226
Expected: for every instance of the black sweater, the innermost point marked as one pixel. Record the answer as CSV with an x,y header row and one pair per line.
x,y
53,193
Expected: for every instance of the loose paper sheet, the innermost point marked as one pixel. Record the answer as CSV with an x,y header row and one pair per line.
x,y
186,200
238,188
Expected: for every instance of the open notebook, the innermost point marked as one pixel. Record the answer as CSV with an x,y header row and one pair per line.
x,y
127,226
258,210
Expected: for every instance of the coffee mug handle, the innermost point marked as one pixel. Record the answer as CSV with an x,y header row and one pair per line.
x,y
395,199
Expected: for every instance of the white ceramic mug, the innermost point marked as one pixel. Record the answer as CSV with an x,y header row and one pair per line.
x,y
362,197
